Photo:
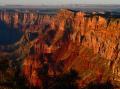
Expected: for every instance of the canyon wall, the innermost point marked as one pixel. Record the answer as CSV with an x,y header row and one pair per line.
x,y
89,44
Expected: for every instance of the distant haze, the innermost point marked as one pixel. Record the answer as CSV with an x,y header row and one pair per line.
x,y
56,2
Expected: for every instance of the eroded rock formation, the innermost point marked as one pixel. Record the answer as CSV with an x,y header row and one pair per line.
x,y
68,40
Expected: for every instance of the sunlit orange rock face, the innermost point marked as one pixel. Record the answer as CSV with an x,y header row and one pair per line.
x,y
90,45
71,40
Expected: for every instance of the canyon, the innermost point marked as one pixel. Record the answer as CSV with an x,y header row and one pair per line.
x,y
51,45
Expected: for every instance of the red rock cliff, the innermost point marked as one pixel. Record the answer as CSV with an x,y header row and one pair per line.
x,y
88,44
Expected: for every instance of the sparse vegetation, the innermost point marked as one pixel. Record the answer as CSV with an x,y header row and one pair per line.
x,y
97,85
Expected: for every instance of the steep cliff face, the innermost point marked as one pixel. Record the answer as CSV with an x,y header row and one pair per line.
x,y
89,45
103,37
68,40
96,33
15,24
23,19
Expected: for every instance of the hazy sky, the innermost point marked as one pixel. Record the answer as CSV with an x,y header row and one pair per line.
x,y
54,2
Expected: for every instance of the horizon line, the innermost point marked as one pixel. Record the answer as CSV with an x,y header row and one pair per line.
x,y
54,4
